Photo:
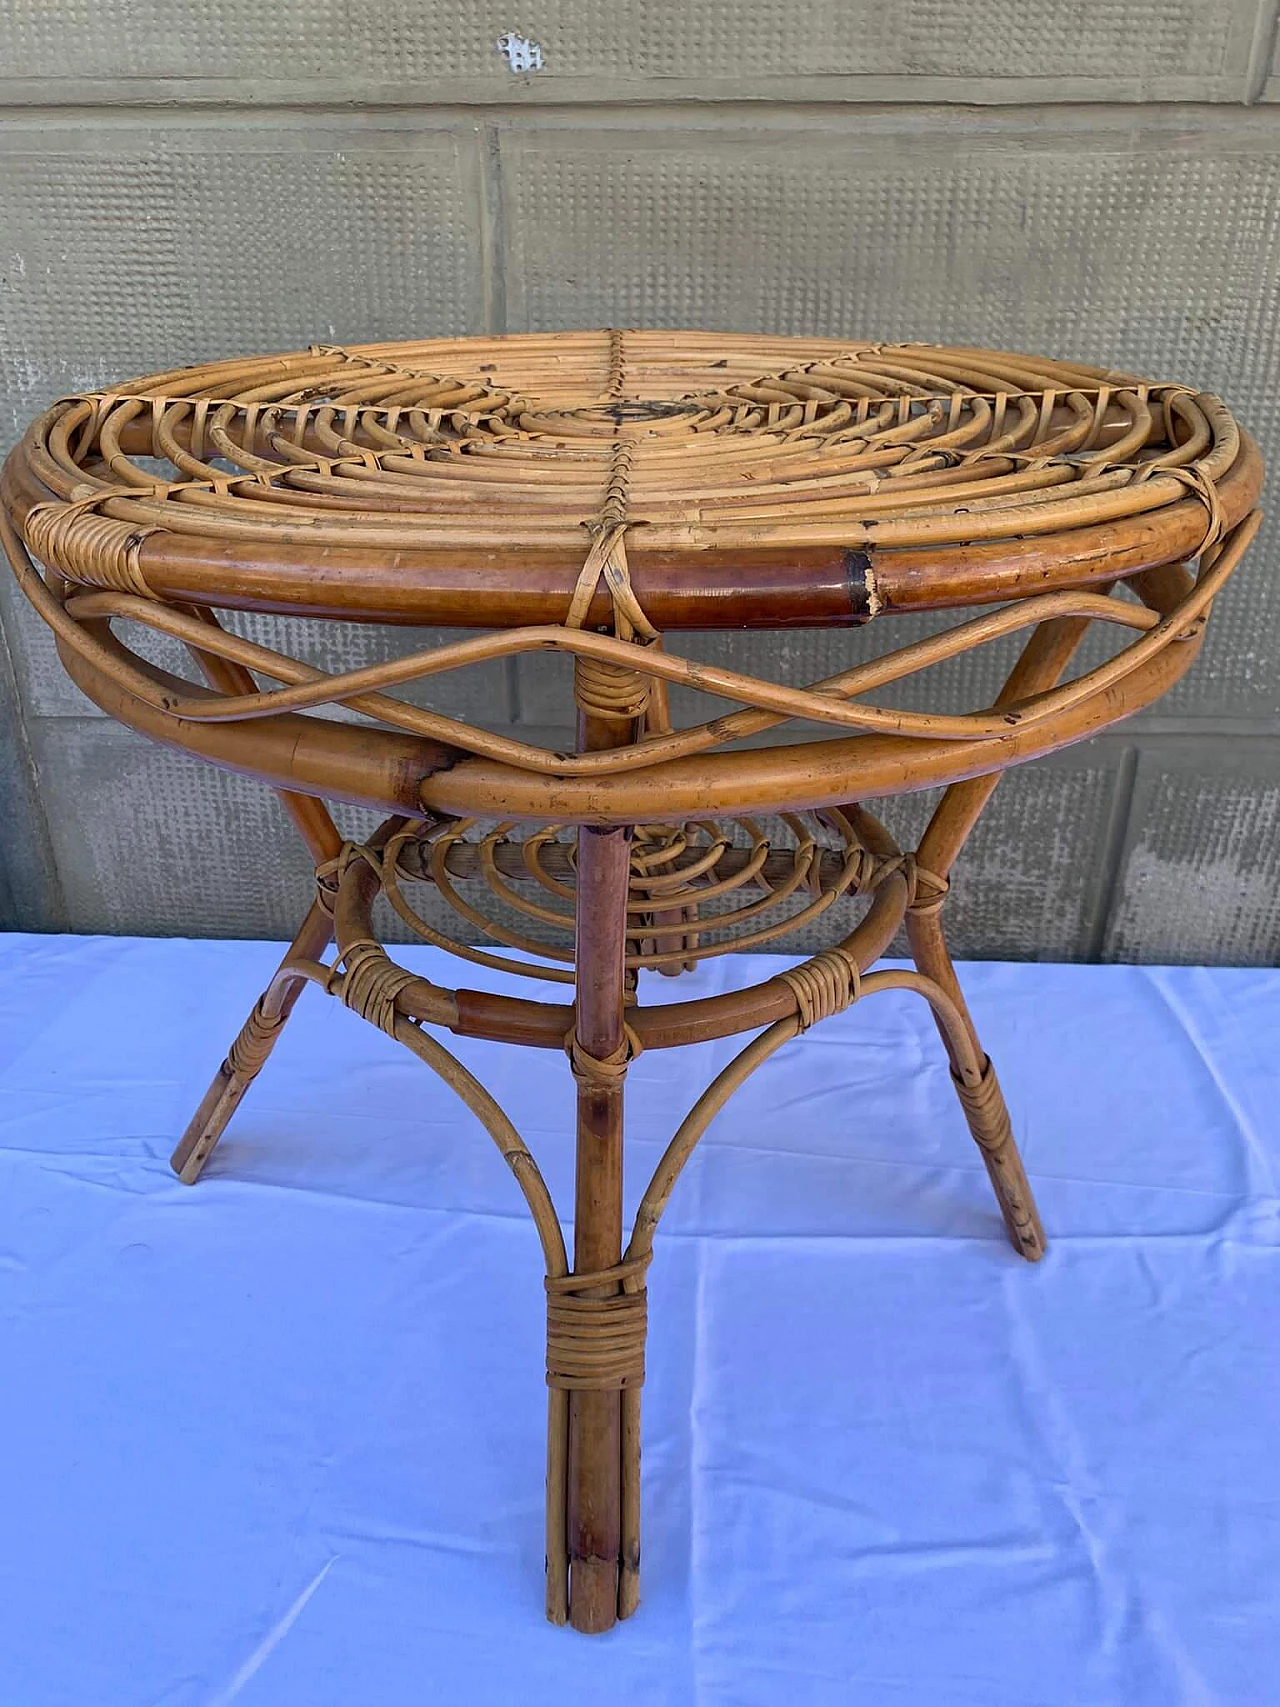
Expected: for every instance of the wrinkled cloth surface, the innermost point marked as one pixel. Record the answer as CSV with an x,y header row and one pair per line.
x,y
278,1439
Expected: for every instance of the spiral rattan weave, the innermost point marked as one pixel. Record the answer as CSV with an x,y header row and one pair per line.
x,y
490,462
593,495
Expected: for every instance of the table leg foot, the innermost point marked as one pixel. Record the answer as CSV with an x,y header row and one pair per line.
x,y
629,1562
209,1122
593,1595
988,1116
979,1092
593,1479
248,1054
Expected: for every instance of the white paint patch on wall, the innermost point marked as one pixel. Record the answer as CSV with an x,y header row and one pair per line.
x,y
520,53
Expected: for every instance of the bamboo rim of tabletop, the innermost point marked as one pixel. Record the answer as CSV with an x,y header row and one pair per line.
x,y
767,480
782,481
397,771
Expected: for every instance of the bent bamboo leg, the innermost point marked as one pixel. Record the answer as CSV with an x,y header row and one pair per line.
x,y
310,816
1045,656
980,1095
258,1034
595,1444
249,1052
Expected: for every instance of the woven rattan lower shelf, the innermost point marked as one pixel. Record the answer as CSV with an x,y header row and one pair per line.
x,y
592,495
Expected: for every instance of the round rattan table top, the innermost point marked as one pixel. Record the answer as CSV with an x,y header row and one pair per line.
x,y
587,494
672,479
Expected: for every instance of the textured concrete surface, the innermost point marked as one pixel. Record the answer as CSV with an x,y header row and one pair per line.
x,y
1053,50
1200,868
1099,178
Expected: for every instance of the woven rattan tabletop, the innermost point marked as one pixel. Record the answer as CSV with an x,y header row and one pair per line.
x,y
711,480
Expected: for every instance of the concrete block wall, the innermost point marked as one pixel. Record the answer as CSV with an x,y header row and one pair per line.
x,y
1097,178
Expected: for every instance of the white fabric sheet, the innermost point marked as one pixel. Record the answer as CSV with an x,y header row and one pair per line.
x,y
278,1440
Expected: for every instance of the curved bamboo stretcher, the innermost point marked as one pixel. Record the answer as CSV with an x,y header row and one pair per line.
x,y
594,494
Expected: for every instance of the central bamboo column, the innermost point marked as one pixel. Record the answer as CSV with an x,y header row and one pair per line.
x,y
595,1441
595,1418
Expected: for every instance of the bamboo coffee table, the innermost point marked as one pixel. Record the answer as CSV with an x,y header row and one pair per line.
x,y
594,495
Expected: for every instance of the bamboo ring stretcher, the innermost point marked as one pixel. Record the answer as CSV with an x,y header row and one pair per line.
x,y
594,495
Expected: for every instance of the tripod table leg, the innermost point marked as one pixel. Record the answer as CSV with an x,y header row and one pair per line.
x,y
247,1055
981,1097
